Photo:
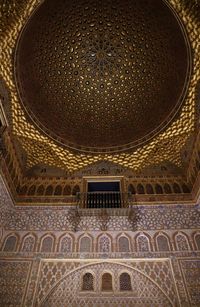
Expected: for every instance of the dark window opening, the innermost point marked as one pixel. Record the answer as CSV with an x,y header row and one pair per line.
x,y
104,195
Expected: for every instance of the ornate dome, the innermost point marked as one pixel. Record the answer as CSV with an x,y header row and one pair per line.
x,y
102,75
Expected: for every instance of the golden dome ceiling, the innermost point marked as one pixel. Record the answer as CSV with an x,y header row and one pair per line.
x,y
102,75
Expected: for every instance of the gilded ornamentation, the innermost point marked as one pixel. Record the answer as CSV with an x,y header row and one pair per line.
x,y
41,149
101,70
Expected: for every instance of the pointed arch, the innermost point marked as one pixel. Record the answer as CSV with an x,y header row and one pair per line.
x,y
49,190
32,190
143,242
85,243
23,190
149,189
58,190
104,243
67,190
47,243
40,190
196,237
158,189
140,189
28,243
162,242
123,243
10,243
176,188
167,188
76,189
181,241
131,189
66,244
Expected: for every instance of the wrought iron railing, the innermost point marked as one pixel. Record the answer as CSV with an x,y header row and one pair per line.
x,y
100,200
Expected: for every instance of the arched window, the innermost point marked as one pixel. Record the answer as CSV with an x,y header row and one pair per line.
x,y
125,282
167,188
107,282
176,188
31,190
142,243
66,245
58,190
140,189
181,242
85,245
23,190
47,244
104,244
49,190
40,190
197,241
162,242
158,189
149,189
28,244
124,244
67,190
10,244
88,282
76,190
185,188
131,189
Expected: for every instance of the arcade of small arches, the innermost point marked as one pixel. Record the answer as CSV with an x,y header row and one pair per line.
x,y
133,188
89,278
101,243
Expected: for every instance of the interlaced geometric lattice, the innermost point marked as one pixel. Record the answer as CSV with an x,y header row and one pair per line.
x,y
142,243
125,282
182,242
104,244
66,245
88,282
40,149
28,244
68,291
96,72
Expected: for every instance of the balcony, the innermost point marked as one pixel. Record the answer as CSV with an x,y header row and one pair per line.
x,y
100,200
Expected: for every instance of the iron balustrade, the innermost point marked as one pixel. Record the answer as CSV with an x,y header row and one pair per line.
x,y
97,200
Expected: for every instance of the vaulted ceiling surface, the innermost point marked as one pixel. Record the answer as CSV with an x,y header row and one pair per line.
x,y
102,75
42,143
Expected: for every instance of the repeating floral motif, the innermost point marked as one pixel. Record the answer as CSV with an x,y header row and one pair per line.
x,y
66,245
12,282
181,242
67,291
62,218
191,272
57,219
142,243
104,244
62,222
28,244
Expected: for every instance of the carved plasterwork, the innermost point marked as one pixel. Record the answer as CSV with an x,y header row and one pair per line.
x,y
14,276
152,284
39,148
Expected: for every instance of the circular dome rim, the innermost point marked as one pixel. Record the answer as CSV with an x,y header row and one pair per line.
x,y
174,113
